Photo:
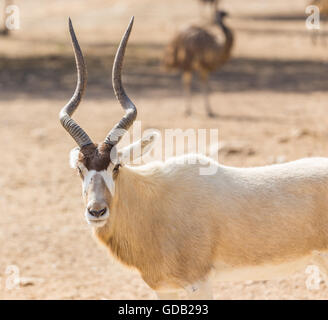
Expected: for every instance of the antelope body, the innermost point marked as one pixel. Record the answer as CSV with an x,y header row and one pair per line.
x,y
177,227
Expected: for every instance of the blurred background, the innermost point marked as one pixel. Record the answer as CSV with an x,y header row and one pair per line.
x,y
270,99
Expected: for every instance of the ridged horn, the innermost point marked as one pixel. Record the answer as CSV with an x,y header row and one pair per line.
x,y
125,123
77,133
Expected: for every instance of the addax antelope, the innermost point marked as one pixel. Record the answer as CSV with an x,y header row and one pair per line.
x,y
181,229
196,49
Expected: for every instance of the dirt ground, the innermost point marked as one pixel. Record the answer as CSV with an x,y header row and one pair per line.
x,y
271,97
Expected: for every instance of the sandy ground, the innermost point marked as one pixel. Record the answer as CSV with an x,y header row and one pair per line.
x,y
271,97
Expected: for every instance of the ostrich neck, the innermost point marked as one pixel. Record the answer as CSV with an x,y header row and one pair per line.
x,y
228,37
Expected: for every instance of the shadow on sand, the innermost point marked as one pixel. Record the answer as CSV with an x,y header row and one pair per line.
x,y
55,76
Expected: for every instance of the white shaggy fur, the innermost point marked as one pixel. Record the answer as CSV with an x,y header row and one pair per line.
x,y
177,227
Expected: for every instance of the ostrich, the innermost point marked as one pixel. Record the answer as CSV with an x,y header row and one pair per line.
x,y
195,49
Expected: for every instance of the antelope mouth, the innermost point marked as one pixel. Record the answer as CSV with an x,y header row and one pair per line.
x,y
96,221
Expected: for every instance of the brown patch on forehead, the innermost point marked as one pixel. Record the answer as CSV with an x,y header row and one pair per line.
x,y
95,157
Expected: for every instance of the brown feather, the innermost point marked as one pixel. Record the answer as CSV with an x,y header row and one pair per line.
x,y
197,49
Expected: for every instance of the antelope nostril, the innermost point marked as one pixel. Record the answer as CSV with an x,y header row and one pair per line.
x,y
102,212
97,213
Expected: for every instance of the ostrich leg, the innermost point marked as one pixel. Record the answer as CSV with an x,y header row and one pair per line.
x,y
206,92
187,78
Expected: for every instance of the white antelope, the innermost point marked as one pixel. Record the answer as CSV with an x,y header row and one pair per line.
x,y
177,227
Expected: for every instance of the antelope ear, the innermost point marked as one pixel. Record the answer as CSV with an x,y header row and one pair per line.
x,y
73,157
137,149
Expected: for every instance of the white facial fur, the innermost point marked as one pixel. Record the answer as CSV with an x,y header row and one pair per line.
x,y
88,175
107,176
134,150
109,182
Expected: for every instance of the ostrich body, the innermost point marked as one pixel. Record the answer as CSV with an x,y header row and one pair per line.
x,y
195,49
